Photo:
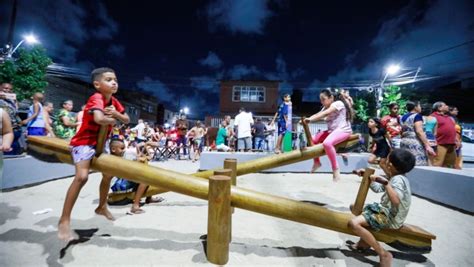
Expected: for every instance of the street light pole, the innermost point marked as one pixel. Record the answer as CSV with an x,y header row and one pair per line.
x,y
391,70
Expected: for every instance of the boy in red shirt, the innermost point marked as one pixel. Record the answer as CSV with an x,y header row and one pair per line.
x,y
101,109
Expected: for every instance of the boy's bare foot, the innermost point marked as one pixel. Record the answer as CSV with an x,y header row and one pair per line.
x,y
105,212
386,259
64,232
315,167
336,176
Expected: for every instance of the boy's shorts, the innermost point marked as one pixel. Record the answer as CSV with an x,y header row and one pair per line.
x,y
80,153
376,216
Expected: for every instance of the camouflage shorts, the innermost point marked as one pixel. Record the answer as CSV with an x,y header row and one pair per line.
x,y
376,216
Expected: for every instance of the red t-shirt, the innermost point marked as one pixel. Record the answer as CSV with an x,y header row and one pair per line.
x,y
392,125
446,133
89,131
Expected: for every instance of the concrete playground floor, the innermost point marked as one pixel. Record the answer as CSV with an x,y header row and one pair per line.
x,y
169,232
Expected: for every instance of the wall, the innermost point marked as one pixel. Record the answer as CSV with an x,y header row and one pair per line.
x,y
272,98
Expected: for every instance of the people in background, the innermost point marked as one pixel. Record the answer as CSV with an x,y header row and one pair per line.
x,y
222,134
65,124
284,115
445,136
9,105
413,135
259,129
453,111
48,110
243,121
35,121
381,140
391,122
430,126
182,126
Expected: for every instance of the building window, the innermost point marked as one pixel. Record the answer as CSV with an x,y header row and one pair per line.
x,y
248,94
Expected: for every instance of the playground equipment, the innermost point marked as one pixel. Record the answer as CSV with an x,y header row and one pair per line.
x,y
198,186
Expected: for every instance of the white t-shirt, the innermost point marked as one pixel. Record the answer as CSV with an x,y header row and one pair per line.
x,y
337,120
243,121
139,128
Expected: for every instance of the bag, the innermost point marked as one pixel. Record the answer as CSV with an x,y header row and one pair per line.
x,y
287,142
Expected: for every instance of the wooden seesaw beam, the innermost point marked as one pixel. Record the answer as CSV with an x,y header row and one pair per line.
x,y
275,206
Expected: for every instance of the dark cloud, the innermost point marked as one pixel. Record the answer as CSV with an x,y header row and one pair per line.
x,y
157,88
212,61
64,28
416,31
117,50
239,16
107,27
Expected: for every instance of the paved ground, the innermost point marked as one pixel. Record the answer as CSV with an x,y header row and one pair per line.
x,y
169,233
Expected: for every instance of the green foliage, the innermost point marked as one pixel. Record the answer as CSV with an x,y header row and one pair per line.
x,y
27,72
361,109
392,94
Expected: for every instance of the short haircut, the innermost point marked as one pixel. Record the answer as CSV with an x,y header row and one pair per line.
x,y
65,101
410,105
115,141
402,159
437,105
242,109
451,108
97,73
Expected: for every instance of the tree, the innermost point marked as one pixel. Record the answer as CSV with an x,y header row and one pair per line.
x,y
392,94
364,106
27,72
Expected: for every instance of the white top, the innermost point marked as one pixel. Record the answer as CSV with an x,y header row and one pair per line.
x,y
338,120
139,128
243,121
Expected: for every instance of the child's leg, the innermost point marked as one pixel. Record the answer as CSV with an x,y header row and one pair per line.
x,y
136,201
372,159
103,192
329,142
358,224
80,179
318,139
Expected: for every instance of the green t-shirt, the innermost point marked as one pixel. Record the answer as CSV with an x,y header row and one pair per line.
x,y
221,135
62,131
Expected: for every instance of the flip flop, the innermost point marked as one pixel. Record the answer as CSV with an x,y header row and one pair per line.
x,y
154,200
137,211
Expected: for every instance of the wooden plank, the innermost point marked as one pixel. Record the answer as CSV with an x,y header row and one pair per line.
x,y
363,190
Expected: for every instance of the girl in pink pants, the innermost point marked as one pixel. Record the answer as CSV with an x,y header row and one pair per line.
x,y
338,116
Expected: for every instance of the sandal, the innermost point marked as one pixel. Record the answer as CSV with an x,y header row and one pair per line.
x,y
149,200
137,211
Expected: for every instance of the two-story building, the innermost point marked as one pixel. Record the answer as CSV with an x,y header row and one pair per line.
x,y
258,97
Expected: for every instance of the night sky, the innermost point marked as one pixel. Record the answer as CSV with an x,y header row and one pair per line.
x,y
179,50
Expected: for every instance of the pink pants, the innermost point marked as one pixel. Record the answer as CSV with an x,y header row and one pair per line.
x,y
329,140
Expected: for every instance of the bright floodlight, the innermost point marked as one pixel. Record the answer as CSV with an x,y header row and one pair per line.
x,y
393,69
31,39
186,110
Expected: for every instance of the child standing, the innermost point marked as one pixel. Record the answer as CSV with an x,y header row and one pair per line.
x,y
338,116
101,109
393,208
284,115
381,139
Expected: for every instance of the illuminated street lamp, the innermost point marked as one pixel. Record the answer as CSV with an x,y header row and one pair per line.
x,y
29,39
390,70
186,110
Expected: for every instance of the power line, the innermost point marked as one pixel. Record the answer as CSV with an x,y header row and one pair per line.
x,y
443,50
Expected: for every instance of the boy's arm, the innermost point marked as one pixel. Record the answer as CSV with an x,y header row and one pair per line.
x,y
392,195
112,112
101,119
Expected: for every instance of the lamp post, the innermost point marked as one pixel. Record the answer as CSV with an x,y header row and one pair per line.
x,y
30,39
390,70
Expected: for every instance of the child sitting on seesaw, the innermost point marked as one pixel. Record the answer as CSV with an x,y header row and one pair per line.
x,y
117,148
392,211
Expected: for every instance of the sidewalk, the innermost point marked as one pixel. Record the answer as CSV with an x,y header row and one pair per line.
x,y
169,233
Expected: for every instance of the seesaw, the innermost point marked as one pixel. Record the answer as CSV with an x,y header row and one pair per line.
x,y
221,196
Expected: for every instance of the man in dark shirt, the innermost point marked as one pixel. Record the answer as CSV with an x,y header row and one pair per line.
x,y
445,136
259,129
182,129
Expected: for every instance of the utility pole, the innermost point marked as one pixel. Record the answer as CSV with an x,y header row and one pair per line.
x,y
11,28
